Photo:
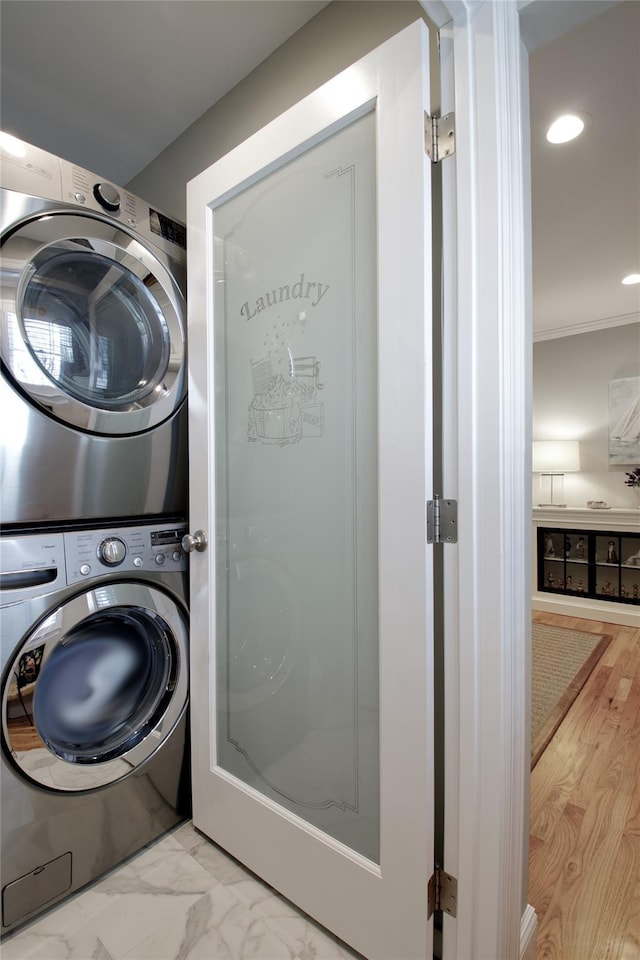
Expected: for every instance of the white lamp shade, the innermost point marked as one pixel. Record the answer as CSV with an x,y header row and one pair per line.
x,y
556,456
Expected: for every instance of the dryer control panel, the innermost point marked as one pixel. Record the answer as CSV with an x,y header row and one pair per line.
x,y
92,553
85,189
34,172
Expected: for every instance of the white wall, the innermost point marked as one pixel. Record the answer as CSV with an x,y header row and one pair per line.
x,y
335,38
570,401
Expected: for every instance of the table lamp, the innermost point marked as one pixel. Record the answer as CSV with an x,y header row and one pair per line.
x,y
552,459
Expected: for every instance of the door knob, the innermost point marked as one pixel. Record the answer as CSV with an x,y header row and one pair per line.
x,y
196,541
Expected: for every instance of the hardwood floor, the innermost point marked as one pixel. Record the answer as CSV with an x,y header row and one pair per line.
x,y
584,866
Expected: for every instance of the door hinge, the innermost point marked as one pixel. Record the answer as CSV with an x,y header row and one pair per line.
x,y
442,520
439,136
442,893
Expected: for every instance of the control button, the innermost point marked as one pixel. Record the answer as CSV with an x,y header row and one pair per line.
x,y
107,196
138,561
79,198
112,551
160,559
176,555
85,569
132,221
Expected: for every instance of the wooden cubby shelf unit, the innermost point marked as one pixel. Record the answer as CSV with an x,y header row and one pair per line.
x,y
588,560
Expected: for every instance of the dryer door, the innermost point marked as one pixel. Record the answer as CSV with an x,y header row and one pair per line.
x,y
92,325
97,687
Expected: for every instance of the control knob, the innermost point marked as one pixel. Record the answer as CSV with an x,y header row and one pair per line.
x,y
107,196
112,551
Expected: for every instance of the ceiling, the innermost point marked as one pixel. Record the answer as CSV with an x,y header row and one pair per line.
x,y
110,83
586,194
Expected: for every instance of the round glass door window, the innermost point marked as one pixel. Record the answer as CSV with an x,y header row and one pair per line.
x,y
97,688
93,325
95,329
104,687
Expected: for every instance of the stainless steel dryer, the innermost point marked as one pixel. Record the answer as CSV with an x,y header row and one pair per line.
x,y
94,635
92,346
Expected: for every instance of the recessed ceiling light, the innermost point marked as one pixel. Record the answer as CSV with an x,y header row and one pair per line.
x,y
565,128
12,145
632,278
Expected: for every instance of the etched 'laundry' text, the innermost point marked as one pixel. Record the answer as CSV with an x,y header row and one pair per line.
x,y
301,290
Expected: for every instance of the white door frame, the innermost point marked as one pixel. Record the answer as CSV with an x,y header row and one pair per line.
x,y
487,343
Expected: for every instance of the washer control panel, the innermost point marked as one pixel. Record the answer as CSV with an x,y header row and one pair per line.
x,y
92,553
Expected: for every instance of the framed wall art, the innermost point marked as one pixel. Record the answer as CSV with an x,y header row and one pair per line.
x,y
624,420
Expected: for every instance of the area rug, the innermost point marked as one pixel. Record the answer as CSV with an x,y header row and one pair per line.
x,y
561,662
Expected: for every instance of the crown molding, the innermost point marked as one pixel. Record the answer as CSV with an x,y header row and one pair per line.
x,y
602,323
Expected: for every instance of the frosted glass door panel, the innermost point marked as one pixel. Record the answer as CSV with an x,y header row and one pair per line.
x,y
296,487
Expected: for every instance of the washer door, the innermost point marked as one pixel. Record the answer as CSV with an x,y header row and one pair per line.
x,y
97,687
93,325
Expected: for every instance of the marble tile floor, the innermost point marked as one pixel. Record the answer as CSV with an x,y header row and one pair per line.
x,y
181,898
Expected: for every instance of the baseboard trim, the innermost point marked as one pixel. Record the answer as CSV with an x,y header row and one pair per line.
x,y
588,609
528,934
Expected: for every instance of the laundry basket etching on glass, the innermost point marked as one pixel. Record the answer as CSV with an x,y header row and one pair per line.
x,y
284,408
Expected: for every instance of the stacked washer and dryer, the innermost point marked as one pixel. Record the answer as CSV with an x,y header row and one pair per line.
x,y
93,498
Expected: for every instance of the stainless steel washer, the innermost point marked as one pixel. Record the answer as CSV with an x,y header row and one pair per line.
x,y
92,347
94,634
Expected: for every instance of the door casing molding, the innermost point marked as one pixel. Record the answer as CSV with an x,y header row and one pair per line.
x,y
487,343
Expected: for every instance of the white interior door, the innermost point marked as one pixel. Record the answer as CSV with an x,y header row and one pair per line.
x,y
310,432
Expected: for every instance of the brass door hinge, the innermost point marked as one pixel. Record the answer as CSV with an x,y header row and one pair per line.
x,y
442,893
